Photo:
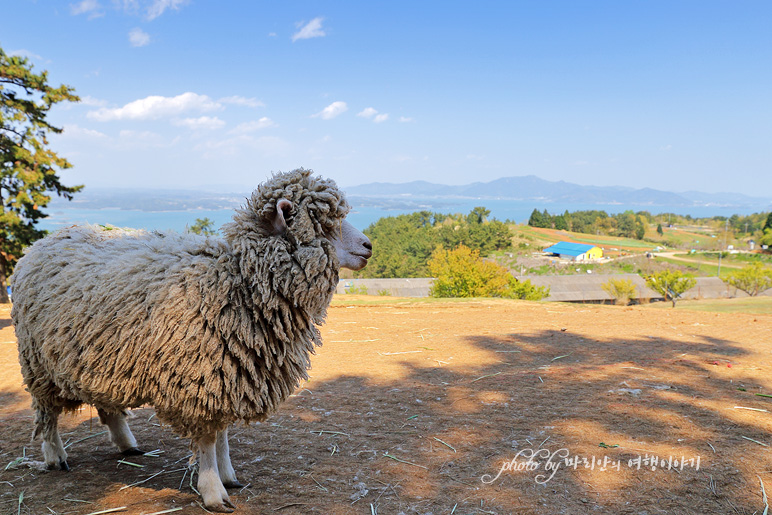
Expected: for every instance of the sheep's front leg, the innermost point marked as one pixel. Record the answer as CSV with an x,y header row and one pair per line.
x,y
209,484
120,433
227,474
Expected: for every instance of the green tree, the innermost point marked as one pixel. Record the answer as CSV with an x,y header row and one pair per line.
x,y
766,238
406,242
621,290
478,215
28,168
560,223
753,279
203,226
640,227
462,273
670,283
768,222
659,230
536,219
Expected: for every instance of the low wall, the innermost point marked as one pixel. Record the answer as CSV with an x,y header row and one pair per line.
x,y
395,287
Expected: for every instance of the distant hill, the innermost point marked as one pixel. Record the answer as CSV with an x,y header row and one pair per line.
x,y
532,188
148,200
528,191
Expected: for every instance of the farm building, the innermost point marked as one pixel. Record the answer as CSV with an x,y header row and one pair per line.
x,y
575,251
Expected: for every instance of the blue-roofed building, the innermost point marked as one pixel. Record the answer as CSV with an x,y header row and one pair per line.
x,y
575,251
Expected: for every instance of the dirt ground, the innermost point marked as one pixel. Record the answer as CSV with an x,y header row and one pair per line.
x,y
435,408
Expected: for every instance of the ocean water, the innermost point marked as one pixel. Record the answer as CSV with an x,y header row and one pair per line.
x,y
361,216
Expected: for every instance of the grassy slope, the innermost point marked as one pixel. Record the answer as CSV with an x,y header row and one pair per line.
x,y
753,305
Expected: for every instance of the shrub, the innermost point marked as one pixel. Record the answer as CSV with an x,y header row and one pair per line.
x,y
670,283
621,290
357,290
462,273
752,279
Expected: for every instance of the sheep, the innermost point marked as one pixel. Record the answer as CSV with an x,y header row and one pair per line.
x,y
209,331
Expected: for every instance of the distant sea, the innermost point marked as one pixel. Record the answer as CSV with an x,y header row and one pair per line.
x,y
363,214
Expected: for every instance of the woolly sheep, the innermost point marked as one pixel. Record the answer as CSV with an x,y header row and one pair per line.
x,y
209,331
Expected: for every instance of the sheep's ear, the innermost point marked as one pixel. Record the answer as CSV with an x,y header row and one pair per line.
x,y
279,222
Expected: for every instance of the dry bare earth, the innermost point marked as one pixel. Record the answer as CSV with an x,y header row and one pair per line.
x,y
410,404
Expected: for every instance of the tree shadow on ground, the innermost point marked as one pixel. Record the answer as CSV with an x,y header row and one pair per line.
x,y
423,443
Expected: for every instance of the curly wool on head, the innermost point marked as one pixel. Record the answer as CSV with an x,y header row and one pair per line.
x,y
318,200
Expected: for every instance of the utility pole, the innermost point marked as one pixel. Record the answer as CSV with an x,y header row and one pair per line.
x,y
726,230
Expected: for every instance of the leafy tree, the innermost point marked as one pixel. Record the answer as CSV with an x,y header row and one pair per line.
x,y
478,215
28,168
659,230
406,242
768,223
621,290
640,227
670,283
536,219
752,279
462,273
203,226
560,223
766,238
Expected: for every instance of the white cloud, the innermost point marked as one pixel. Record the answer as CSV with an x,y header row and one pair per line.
x,y
138,37
332,110
75,131
155,107
242,101
312,29
90,7
158,7
247,127
367,112
92,102
666,147
202,123
405,119
381,118
25,53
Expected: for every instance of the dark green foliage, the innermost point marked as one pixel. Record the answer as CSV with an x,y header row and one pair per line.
x,y
405,243
203,226
28,168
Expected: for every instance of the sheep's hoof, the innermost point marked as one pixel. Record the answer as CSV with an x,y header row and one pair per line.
x,y
233,484
62,465
224,507
132,451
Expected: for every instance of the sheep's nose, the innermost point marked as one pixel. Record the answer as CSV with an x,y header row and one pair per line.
x,y
368,245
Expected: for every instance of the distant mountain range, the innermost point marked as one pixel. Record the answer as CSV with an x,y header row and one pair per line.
x,y
527,190
533,189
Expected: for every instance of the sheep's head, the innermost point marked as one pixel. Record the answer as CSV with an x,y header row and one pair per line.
x,y
303,208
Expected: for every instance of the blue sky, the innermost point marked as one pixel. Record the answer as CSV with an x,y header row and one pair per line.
x,y
670,95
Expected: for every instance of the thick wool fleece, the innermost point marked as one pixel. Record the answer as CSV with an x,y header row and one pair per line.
x,y
208,331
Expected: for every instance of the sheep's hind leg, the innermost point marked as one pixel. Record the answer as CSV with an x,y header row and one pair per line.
x,y
227,474
209,483
46,424
120,434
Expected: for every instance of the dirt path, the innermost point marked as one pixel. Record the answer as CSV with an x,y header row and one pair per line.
x,y
411,405
677,256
